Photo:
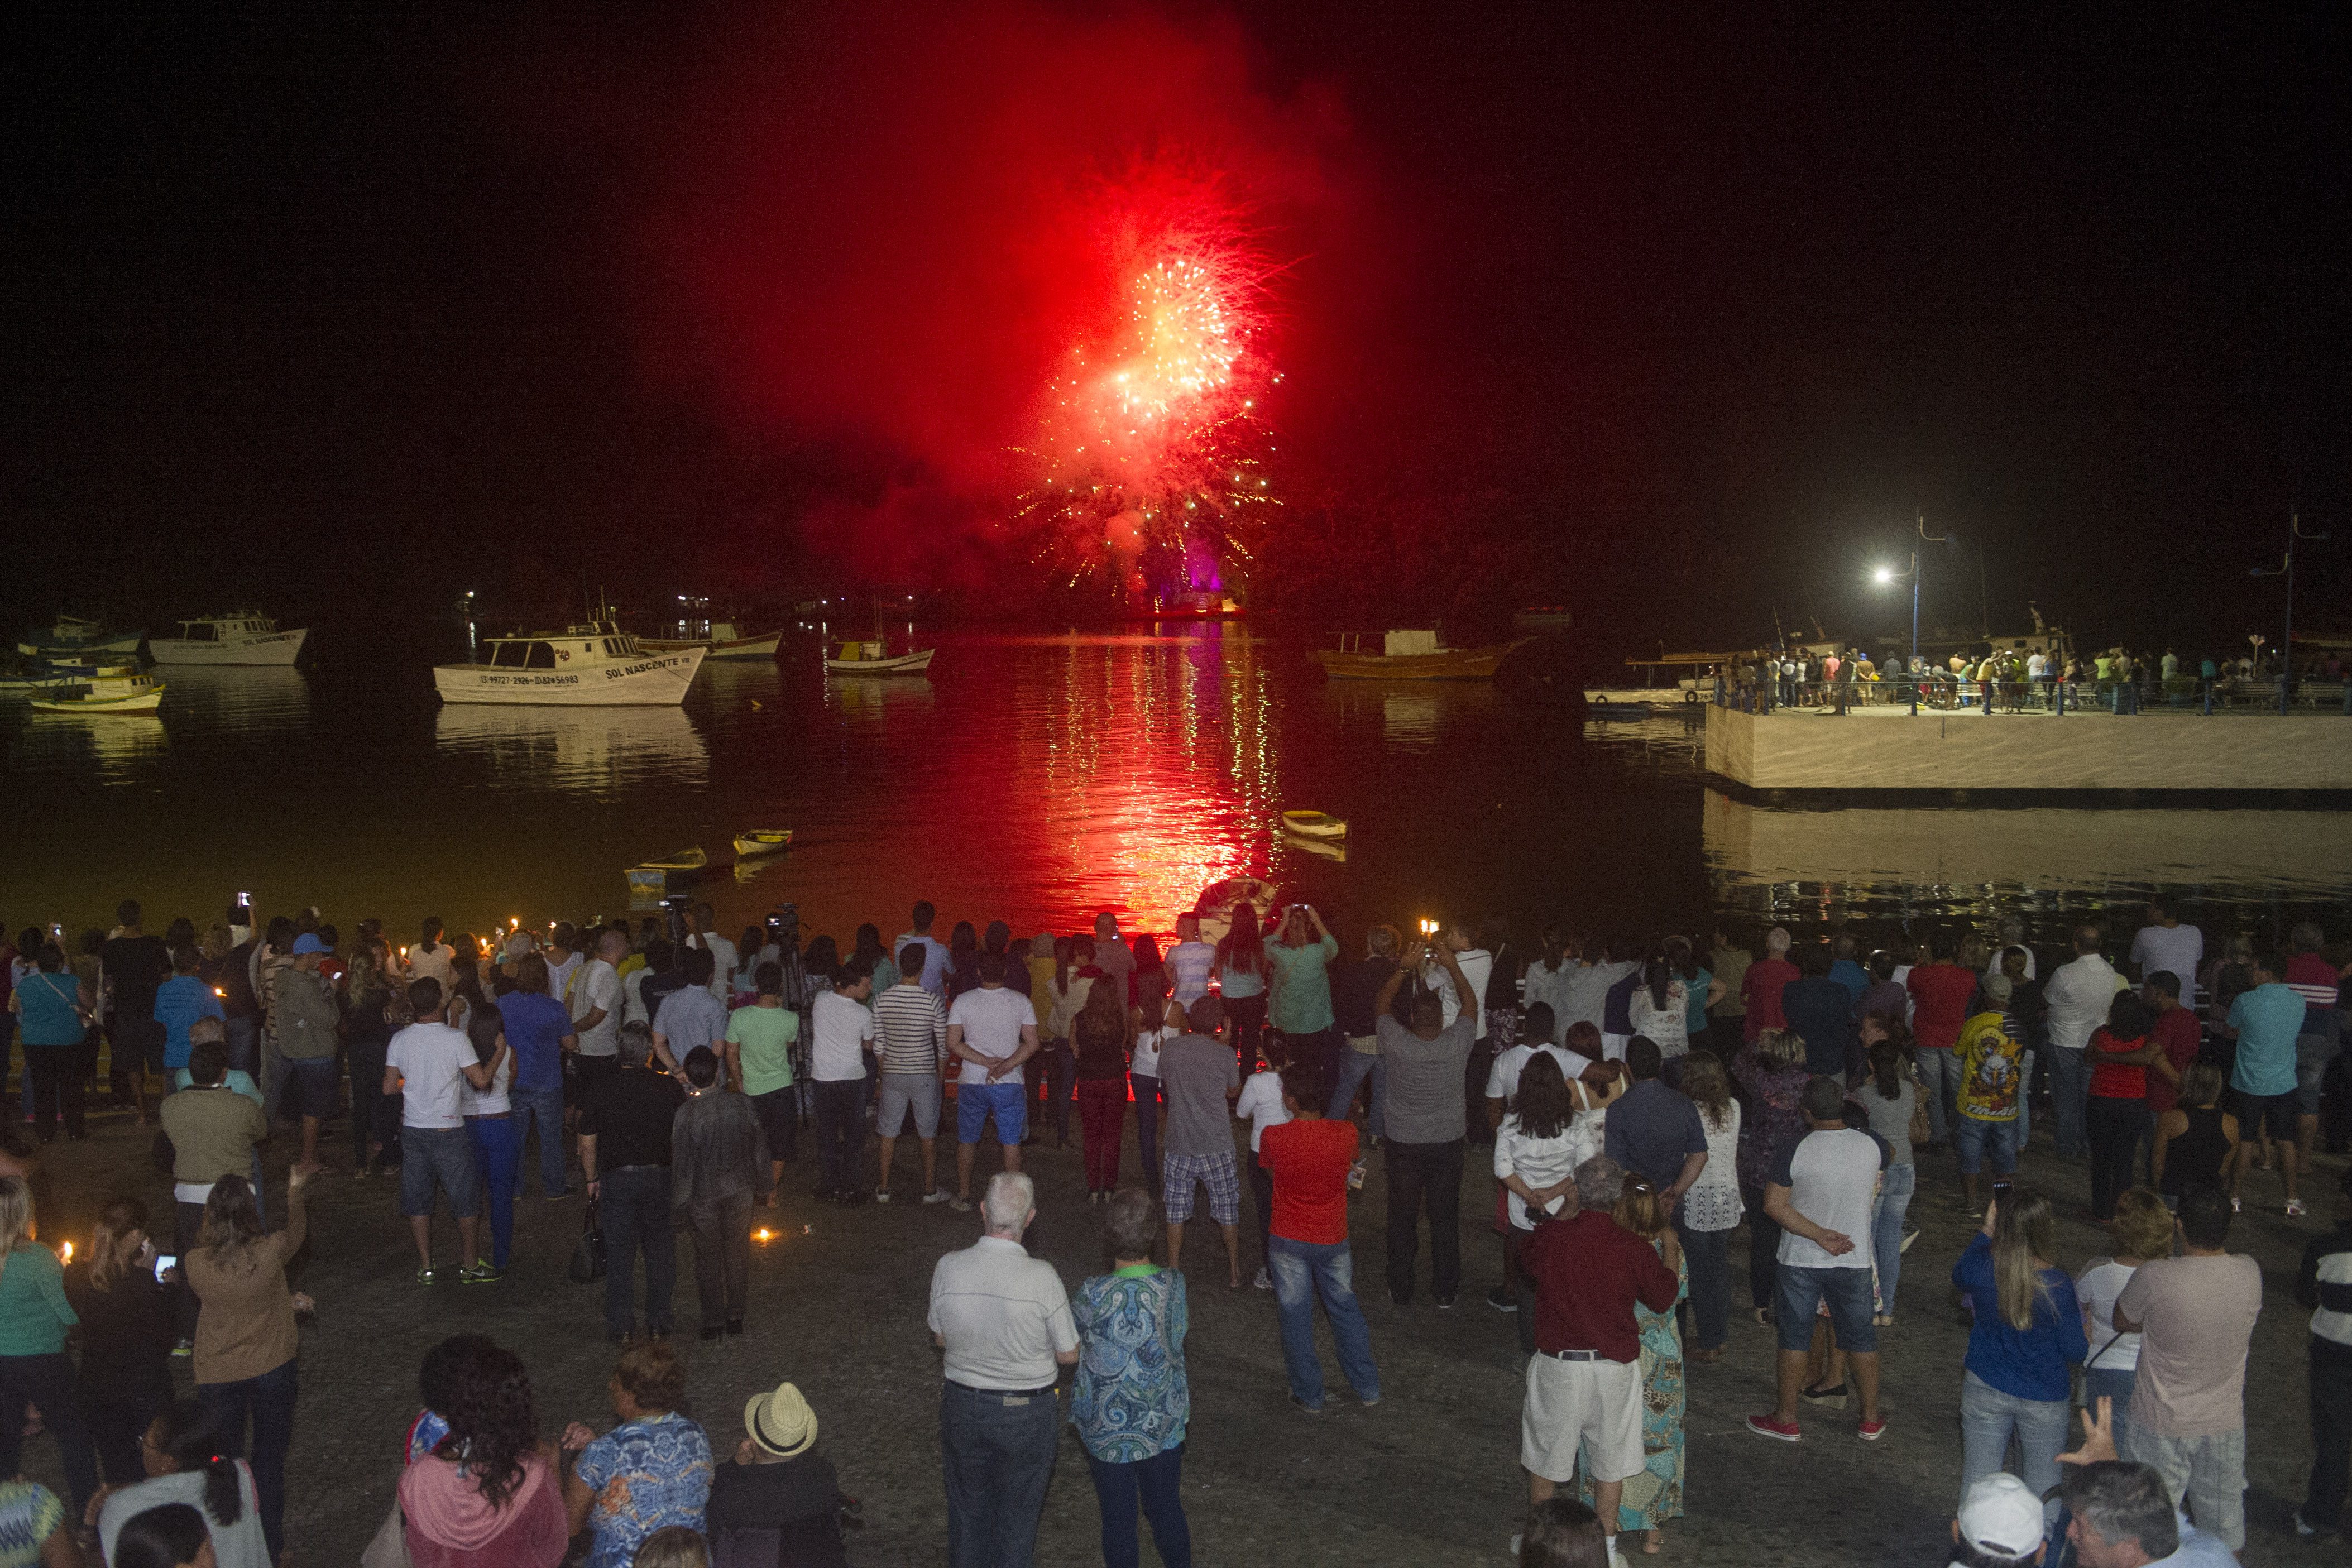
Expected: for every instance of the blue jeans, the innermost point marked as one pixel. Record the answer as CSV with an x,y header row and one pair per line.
x,y
1988,1416
270,1399
1887,1232
633,1205
2112,1383
1303,1271
1147,1123
1355,1066
498,1149
241,1035
1157,1481
2025,1102
1976,1139
1940,1074
543,1107
2070,1093
996,1454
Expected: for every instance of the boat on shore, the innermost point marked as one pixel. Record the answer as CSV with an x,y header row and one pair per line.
x,y
242,639
1413,655
874,658
763,842
722,643
109,689
597,663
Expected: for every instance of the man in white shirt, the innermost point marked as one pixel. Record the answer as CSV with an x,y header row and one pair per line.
x,y
2166,943
991,1031
2077,997
2011,932
1475,964
703,933
1260,1105
841,1039
425,1065
563,959
1004,1321
934,952
596,997
1820,1194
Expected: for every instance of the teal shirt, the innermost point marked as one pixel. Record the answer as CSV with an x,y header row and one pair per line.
x,y
1301,979
34,1315
238,1078
2267,1020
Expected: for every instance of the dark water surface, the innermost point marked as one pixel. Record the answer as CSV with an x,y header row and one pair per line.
x,y
1034,779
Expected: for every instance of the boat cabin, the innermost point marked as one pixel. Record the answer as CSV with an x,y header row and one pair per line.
x,y
599,640
224,628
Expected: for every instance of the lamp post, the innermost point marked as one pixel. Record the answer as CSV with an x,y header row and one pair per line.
x,y
1886,574
2286,570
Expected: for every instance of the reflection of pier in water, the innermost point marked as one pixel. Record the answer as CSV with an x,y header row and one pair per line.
x,y
1974,859
600,752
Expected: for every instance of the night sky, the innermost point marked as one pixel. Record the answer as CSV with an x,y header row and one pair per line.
x,y
1676,320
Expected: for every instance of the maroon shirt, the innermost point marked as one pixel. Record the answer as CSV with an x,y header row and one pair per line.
x,y
2177,1031
1760,989
1588,1271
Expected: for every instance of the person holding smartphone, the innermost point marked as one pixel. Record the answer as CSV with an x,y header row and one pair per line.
x,y
126,1336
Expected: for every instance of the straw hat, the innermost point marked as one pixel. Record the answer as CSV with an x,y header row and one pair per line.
x,y
781,1423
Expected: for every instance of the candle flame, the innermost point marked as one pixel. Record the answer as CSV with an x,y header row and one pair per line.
x,y
763,1234
64,1253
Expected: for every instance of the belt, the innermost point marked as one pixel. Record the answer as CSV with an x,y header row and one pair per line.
x,y
1007,1394
1582,1356
617,1170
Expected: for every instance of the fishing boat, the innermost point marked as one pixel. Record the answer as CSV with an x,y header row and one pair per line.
x,y
683,869
722,643
241,639
109,688
72,637
1218,901
1413,655
874,658
1314,825
595,663
1618,707
762,841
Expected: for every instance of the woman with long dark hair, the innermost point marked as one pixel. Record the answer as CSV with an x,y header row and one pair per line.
x,y
126,1336
1772,1067
963,960
489,1492
490,1129
1536,1150
1887,1096
184,1465
1148,988
1711,1209
34,1369
2118,1108
2028,1330
1660,1007
171,1536
1101,1033
1241,981
245,1339
878,959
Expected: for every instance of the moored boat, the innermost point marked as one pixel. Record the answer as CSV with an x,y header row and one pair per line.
x,y
683,869
71,636
873,658
594,663
1413,655
242,639
109,688
1315,824
722,643
763,841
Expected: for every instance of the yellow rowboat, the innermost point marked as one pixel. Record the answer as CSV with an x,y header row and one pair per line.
x,y
763,841
1314,825
115,688
683,869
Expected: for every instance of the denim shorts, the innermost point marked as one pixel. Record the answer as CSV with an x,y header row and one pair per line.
x,y
2313,1053
443,1154
312,1083
2276,1111
1971,1139
1009,1102
917,1094
1798,1291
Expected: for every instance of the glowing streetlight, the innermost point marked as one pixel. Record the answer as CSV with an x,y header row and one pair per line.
x,y
1884,575
1887,575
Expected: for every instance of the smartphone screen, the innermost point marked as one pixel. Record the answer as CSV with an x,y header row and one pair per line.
x,y
164,1263
2002,1188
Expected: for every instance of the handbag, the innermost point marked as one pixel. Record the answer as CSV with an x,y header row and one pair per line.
x,y
1923,1129
389,1549
587,1264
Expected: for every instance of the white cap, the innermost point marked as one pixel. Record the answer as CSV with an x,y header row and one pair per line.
x,y
2002,1515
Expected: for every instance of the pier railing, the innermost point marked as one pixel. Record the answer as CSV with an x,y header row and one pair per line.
x,y
1946,695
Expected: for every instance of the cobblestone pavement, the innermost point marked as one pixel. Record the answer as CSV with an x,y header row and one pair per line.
x,y
1430,1477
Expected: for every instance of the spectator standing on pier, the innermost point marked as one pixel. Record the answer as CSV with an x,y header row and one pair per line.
x,y
1201,1079
934,952
2167,943
1299,1003
538,1030
841,1046
992,1030
1132,1401
1821,1012
1990,1107
2025,1335
1760,987
2268,1022
2077,995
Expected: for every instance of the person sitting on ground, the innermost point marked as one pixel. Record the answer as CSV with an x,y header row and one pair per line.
x,y
778,1488
171,1536
184,1465
33,1522
486,1496
651,1470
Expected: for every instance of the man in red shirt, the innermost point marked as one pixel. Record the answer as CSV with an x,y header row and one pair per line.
x,y
2310,975
1941,993
1307,1248
2179,1035
1584,1382
1761,988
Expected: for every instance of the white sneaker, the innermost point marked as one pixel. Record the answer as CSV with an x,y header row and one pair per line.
x,y
882,1195
1263,1281
936,1195
960,1205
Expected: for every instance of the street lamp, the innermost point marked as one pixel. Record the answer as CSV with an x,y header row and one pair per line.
x,y
2286,570
1887,574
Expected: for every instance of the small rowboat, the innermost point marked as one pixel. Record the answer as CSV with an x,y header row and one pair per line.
x,y
869,659
683,869
763,841
1315,825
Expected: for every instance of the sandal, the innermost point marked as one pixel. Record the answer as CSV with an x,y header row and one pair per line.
x,y
1764,1316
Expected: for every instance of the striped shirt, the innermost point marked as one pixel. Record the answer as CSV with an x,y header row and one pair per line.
x,y
1188,964
911,1027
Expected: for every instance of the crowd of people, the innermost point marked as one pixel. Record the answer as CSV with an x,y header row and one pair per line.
x,y
2115,678
1643,1099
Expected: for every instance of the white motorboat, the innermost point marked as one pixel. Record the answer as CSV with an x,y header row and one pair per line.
x,y
109,688
228,640
874,659
722,643
595,664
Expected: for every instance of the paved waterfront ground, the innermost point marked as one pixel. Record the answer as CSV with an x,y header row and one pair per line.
x,y
1431,1477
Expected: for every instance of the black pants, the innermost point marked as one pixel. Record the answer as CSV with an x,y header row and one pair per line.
x,y
116,1429
2331,1432
1763,1250
47,1380
375,1116
634,1208
2113,1126
55,1072
722,1256
1424,1175
1245,1021
840,1131
1261,1183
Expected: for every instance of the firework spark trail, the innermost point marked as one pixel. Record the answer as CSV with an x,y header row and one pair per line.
x,y
1149,455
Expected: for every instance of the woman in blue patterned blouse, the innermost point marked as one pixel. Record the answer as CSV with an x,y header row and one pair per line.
x,y
1132,1401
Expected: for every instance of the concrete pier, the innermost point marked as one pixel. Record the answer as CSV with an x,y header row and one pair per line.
x,y
1891,749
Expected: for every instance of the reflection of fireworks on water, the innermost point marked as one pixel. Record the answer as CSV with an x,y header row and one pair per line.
x,y
1148,453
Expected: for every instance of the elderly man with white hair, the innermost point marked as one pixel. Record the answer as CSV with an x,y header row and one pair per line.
x,y
1004,1320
